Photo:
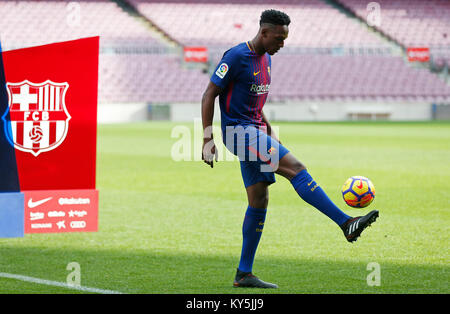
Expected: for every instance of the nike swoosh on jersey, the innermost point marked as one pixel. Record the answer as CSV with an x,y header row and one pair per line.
x,y
32,204
256,73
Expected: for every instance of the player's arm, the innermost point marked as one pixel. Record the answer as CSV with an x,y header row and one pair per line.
x,y
209,151
269,127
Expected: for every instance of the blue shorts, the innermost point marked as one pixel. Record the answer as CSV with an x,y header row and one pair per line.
x,y
259,154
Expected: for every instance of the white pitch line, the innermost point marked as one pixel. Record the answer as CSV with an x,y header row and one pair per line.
x,y
57,284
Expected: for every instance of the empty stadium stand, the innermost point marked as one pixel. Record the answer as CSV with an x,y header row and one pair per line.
x,y
30,23
330,54
412,23
314,23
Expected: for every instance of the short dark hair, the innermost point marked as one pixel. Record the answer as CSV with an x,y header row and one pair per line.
x,y
274,17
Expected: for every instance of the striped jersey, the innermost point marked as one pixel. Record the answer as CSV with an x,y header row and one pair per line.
x,y
244,78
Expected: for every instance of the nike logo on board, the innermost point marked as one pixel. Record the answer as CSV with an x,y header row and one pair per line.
x,y
32,204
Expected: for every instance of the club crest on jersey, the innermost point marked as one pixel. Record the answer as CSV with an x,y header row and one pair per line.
x,y
36,119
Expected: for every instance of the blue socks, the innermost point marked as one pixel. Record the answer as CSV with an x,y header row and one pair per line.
x,y
254,219
251,232
313,194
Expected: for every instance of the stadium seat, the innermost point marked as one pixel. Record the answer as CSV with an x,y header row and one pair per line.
x,y
317,62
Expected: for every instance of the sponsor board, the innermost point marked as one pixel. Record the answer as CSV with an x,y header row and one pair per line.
x,y
195,54
418,54
48,138
61,211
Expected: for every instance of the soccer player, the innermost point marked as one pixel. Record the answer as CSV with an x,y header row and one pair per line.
x,y
242,81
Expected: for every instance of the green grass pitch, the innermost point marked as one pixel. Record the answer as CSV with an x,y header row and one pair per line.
x,y
170,226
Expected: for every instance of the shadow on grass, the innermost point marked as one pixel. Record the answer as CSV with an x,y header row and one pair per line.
x,y
151,272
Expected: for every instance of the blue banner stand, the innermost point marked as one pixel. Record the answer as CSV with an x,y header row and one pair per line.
x,y
12,206
12,211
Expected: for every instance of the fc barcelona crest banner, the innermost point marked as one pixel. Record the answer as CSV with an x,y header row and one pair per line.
x,y
48,115
38,116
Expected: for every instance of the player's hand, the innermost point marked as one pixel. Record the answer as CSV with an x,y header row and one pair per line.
x,y
209,152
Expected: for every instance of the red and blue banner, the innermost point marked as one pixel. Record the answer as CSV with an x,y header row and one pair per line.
x,y
48,119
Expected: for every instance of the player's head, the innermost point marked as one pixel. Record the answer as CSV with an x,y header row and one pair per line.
x,y
273,30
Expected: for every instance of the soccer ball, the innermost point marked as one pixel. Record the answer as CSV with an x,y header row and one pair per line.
x,y
358,191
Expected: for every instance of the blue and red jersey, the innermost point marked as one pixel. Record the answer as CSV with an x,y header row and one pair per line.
x,y
244,78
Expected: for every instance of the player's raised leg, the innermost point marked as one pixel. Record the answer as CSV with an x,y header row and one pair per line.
x,y
305,186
